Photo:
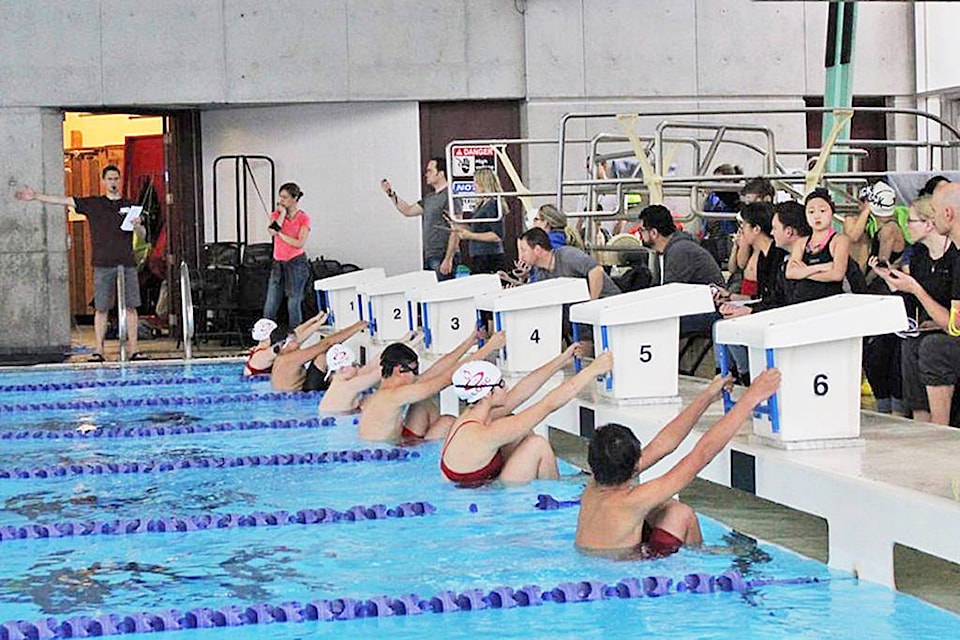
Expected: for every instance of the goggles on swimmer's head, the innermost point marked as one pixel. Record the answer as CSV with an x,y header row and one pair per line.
x,y
406,367
502,384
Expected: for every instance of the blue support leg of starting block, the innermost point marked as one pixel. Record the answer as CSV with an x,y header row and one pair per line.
x,y
605,345
723,356
427,334
577,364
410,315
773,406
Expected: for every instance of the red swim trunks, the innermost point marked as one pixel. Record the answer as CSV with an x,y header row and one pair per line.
x,y
487,473
407,434
658,543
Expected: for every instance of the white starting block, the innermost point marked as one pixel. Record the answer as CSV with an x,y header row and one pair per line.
x,y
447,310
642,329
383,304
338,295
532,317
817,348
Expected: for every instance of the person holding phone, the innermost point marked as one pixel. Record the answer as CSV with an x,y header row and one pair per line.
x,y
289,227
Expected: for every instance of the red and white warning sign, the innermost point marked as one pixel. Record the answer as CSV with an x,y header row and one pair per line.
x,y
467,159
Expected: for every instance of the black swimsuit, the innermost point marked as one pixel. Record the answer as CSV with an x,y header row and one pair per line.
x,y
807,289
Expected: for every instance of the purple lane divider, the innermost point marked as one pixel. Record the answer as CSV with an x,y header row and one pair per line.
x,y
163,401
184,524
546,502
100,384
160,466
476,599
167,430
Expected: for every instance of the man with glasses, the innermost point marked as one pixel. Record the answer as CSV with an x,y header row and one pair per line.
x,y
403,406
440,247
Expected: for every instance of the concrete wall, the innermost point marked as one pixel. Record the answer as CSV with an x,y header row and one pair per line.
x,y
34,286
558,55
127,52
337,153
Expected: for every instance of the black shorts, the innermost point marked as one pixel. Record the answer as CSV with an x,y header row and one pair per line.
x,y
316,379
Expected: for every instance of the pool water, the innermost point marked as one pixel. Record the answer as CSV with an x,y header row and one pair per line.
x,y
481,538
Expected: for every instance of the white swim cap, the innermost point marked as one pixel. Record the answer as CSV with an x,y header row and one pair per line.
x,y
339,356
473,381
882,200
263,328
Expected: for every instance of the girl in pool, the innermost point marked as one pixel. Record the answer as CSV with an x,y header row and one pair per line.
x,y
487,442
820,263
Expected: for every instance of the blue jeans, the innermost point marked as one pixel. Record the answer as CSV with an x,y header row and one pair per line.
x,y
433,264
287,278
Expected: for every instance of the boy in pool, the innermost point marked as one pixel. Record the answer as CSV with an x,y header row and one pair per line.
x,y
622,518
403,406
297,369
349,381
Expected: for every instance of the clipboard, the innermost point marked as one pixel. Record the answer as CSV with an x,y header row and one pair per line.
x,y
131,214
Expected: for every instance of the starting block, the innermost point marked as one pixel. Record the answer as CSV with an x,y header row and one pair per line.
x,y
532,317
385,304
642,329
816,346
447,310
338,295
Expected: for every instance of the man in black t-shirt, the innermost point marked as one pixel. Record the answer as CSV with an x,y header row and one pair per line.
x,y
112,242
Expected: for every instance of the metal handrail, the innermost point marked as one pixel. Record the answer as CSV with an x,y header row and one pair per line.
x,y
186,311
122,328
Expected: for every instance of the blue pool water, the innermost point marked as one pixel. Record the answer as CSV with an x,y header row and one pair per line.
x,y
476,538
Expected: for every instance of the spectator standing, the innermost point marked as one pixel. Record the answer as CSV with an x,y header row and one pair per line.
x,y
290,272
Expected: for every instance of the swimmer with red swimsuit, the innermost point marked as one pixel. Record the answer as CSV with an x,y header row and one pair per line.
x,y
488,442
621,517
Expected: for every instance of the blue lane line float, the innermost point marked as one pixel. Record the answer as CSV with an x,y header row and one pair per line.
x,y
208,462
174,401
546,502
97,384
183,524
478,599
167,430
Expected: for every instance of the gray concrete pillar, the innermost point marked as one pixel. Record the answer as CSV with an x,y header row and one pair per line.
x,y
34,285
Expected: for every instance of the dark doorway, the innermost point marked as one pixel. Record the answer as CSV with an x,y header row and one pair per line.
x,y
863,126
441,122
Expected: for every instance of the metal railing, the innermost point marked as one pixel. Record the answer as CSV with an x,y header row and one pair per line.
x,y
186,311
122,328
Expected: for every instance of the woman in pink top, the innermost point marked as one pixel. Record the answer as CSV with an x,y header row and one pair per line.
x,y
289,227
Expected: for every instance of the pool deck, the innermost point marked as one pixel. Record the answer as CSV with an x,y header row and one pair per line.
x,y
905,476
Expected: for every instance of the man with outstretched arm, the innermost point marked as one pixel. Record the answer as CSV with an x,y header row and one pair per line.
x,y
112,236
403,406
623,518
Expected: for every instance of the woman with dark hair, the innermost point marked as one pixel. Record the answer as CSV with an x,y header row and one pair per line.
x,y
290,273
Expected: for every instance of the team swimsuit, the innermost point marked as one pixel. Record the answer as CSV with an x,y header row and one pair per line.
x,y
488,472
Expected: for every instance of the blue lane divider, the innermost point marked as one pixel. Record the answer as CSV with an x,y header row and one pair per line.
x,y
168,430
97,384
503,597
174,401
546,502
211,462
181,524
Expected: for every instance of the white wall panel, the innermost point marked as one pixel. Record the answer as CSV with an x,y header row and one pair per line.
x,y
337,153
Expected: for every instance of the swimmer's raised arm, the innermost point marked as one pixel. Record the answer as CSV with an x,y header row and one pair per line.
x,y
511,428
650,494
520,392
669,437
448,362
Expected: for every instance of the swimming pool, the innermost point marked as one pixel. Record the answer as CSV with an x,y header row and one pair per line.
x,y
266,456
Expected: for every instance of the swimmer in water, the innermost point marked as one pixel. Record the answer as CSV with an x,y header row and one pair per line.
x,y
622,518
